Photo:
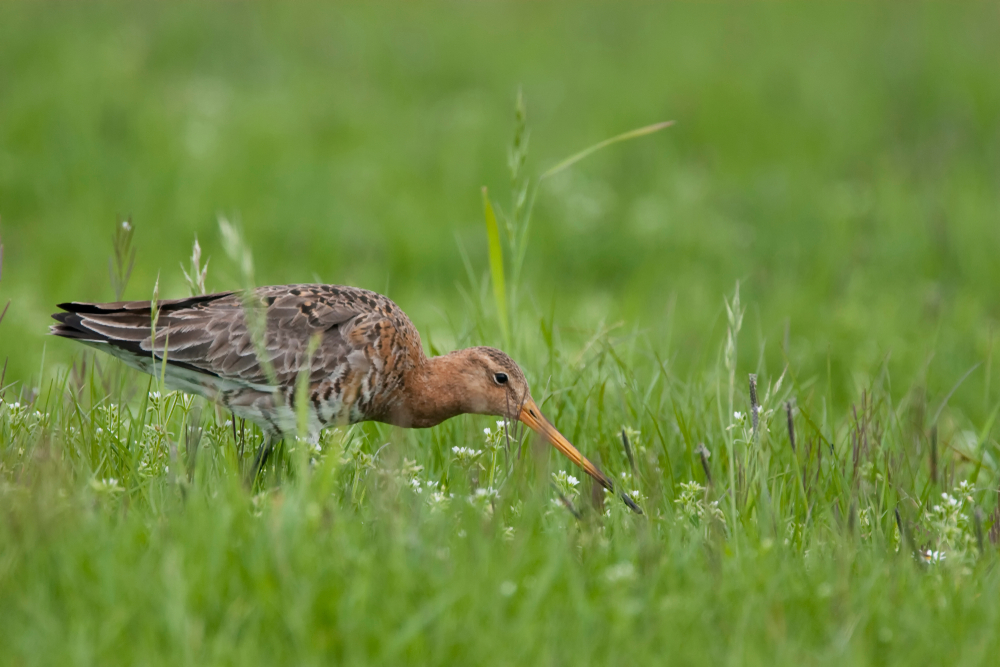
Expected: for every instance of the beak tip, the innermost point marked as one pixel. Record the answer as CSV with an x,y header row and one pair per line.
x,y
631,504
531,417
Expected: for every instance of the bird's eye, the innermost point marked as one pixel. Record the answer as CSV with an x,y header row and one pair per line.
x,y
501,378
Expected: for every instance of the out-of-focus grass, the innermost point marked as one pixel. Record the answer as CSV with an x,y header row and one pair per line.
x,y
128,536
841,162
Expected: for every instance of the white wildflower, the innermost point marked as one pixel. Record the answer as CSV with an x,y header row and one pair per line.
x,y
566,483
932,557
951,527
695,508
637,495
482,499
466,456
494,439
439,501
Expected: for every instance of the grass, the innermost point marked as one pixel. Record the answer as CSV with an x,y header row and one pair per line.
x,y
821,216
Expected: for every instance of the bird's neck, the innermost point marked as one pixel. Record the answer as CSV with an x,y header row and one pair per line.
x,y
438,389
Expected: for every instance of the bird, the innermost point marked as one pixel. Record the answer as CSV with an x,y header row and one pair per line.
x,y
356,352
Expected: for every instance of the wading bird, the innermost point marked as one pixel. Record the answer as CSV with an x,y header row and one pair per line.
x,y
359,355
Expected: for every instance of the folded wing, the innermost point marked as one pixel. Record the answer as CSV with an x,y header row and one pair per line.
x,y
209,334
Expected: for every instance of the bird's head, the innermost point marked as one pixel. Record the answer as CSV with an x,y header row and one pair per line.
x,y
488,382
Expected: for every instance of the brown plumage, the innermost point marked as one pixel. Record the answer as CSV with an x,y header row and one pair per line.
x,y
361,354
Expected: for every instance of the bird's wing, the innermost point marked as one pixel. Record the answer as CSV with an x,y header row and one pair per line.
x,y
209,334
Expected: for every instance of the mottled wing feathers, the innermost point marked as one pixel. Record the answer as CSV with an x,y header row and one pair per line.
x,y
209,334
124,325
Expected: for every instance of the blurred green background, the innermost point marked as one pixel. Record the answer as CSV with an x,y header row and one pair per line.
x,y
841,160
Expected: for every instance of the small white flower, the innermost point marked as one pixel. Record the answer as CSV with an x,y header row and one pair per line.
x,y
487,430
931,556
439,500
738,415
466,455
565,483
482,500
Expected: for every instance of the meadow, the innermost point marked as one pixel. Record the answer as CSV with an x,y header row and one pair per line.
x,y
821,221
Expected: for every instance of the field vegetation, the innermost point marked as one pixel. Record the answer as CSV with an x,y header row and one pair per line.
x,y
772,322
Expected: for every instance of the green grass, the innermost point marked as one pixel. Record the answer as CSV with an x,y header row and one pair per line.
x,y
839,161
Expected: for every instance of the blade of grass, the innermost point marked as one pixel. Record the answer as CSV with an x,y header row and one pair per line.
x,y
496,266
958,384
625,136
984,434
302,388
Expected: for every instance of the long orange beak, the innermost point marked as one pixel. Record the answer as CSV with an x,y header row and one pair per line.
x,y
536,421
